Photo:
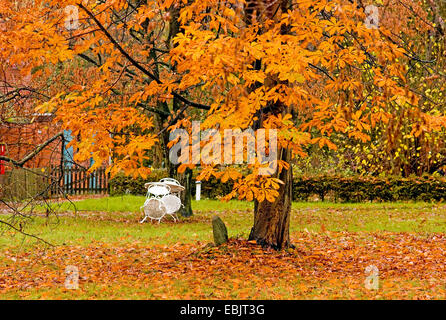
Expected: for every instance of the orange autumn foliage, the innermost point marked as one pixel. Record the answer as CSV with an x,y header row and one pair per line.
x,y
128,62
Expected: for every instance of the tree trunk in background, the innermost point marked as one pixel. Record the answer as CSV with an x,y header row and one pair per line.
x,y
185,179
272,219
186,196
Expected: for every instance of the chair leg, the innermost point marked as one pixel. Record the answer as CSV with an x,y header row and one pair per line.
x,y
143,219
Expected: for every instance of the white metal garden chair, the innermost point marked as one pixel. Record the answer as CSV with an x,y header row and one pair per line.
x,y
153,207
162,198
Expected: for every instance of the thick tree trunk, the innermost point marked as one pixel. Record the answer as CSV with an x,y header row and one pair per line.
x,y
272,219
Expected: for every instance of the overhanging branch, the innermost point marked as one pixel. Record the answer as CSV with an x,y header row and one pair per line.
x,y
158,111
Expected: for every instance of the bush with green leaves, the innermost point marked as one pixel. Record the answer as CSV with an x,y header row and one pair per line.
x,y
211,189
324,187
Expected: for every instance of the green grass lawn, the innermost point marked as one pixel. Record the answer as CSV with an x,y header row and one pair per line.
x,y
130,203
116,219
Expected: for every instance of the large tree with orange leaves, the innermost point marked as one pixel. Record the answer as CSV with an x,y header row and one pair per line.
x,y
306,68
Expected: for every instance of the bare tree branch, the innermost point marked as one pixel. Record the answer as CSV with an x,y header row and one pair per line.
x,y
24,233
32,154
137,64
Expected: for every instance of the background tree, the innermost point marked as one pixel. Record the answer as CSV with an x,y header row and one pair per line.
x,y
406,144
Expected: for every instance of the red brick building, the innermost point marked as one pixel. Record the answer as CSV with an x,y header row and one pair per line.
x,y
21,129
19,139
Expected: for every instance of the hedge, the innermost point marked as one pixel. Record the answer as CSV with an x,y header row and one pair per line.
x,y
211,189
365,188
121,184
334,188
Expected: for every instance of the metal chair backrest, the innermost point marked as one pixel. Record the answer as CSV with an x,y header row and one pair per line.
x,y
154,209
172,203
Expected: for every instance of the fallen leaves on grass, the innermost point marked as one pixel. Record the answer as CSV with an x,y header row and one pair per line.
x,y
326,266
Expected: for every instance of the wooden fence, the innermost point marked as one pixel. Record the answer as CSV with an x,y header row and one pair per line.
x,y
21,184
77,181
50,182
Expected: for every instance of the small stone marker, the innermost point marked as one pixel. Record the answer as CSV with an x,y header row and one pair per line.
x,y
220,231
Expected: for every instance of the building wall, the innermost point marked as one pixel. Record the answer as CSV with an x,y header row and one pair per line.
x,y
21,130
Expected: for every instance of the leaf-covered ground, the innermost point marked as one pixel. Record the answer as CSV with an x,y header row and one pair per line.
x,y
334,245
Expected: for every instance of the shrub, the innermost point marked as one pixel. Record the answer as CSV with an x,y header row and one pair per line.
x,y
365,188
122,184
336,188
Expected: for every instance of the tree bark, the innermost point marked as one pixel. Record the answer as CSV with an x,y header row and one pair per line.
x,y
272,219
186,196
185,179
